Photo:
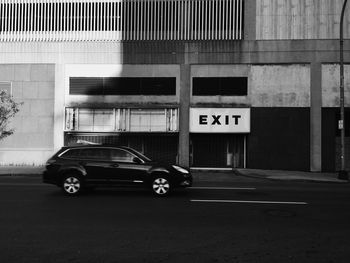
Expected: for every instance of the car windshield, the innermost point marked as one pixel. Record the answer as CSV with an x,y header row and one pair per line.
x,y
140,155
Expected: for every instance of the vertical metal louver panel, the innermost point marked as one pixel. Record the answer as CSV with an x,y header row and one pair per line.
x,y
119,20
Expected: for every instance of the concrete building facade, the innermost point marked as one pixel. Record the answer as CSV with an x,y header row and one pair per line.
x,y
258,89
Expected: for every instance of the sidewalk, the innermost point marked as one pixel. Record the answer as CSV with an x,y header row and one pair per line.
x,y
21,170
217,176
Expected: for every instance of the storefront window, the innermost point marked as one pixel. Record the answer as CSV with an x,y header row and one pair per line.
x,y
86,120
90,120
103,120
150,120
121,120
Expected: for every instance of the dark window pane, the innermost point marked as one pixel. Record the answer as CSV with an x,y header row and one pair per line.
x,y
227,86
121,156
72,154
86,86
95,154
234,86
206,86
122,86
158,86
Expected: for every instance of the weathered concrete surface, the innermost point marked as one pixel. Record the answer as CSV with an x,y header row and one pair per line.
x,y
300,19
280,86
330,85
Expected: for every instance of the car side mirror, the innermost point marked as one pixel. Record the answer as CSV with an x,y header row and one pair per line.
x,y
136,160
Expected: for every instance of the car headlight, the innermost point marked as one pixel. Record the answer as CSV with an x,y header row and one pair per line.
x,y
180,169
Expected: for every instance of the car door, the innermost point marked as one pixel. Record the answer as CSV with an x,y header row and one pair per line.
x,y
126,167
96,163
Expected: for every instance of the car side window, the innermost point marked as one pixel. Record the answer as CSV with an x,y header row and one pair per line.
x,y
71,154
95,154
119,155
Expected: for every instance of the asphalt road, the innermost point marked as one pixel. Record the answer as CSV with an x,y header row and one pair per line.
x,y
246,220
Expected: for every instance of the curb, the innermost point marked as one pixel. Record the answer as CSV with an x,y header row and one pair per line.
x,y
252,175
21,174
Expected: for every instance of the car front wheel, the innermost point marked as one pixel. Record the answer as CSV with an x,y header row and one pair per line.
x,y
72,184
161,186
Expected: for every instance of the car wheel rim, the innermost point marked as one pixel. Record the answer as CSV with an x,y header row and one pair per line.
x,y
161,186
71,185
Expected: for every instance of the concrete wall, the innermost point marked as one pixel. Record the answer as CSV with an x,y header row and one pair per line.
x,y
330,85
300,19
32,84
280,85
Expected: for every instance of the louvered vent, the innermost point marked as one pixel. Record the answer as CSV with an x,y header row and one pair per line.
x,y
96,20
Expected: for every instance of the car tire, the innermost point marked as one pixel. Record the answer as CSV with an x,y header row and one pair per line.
x,y
72,184
161,185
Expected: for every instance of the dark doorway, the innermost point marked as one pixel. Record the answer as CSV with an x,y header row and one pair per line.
x,y
218,150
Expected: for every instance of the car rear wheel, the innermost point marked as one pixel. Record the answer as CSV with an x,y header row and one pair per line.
x,y
161,186
72,184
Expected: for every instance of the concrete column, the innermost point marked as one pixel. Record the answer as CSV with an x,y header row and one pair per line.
x,y
184,139
250,19
316,117
58,138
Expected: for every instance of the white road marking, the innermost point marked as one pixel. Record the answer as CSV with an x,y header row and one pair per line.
x,y
249,201
223,188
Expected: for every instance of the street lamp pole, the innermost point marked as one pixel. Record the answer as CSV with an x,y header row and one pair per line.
x,y
342,173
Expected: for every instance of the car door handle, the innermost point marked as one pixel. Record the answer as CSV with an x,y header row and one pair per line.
x,y
114,165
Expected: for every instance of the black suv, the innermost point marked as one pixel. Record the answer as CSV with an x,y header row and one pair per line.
x,y
78,167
